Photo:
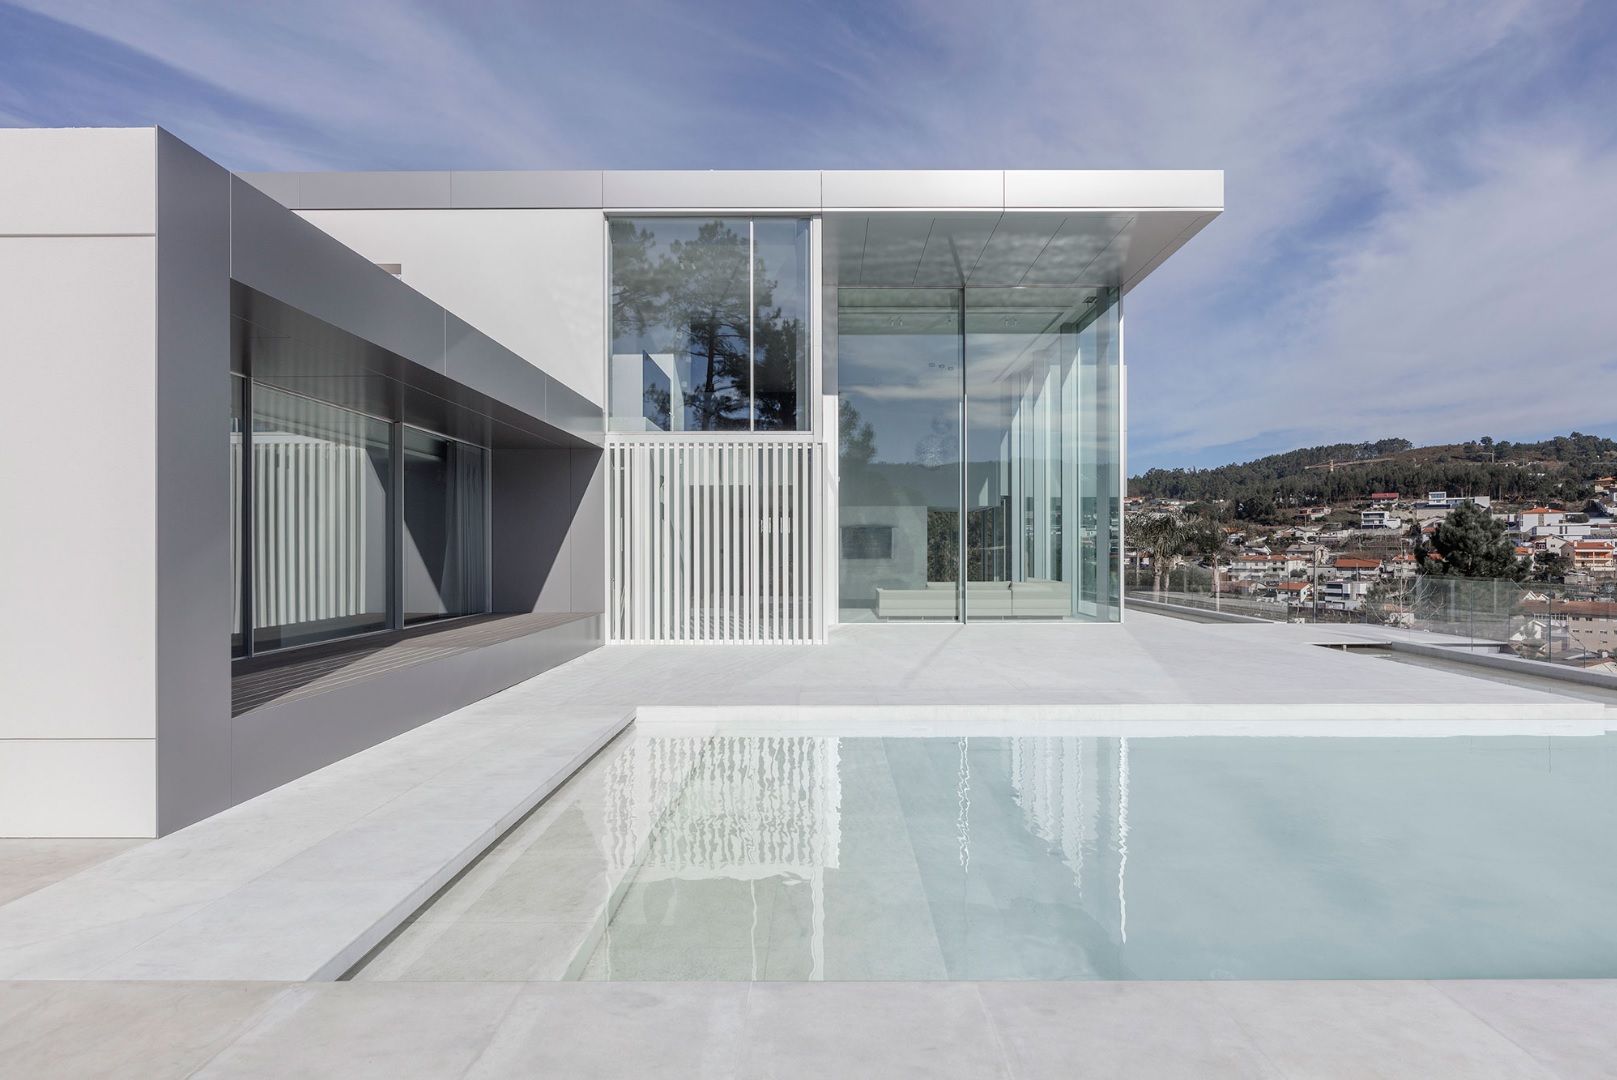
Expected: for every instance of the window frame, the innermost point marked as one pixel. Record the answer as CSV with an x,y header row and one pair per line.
x,y
249,648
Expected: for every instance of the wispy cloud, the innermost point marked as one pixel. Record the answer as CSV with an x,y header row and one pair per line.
x,y
1418,239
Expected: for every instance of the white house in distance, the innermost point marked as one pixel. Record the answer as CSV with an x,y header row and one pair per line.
x,y
1375,520
522,415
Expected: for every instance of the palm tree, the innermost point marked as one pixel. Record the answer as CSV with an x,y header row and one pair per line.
x,y
1206,539
1163,535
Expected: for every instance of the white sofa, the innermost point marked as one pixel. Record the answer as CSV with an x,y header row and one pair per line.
x,y
1033,599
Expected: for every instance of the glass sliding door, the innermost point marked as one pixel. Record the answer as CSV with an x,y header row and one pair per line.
x,y
898,386
1032,521
1041,463
445,548
320,518
1099,459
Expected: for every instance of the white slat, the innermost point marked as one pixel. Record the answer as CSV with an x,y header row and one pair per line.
x,y
714,540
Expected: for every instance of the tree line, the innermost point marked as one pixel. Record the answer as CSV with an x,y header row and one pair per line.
x,y
1558,469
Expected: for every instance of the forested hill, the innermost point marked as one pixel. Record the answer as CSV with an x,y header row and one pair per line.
x,y
1561,469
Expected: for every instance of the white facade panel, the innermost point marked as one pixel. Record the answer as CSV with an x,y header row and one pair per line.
x,y
530,279
1165,189
78,787
77,645
901,189
558,189
85,181
703,190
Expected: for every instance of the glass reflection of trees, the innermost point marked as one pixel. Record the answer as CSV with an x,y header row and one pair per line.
x,y
738,335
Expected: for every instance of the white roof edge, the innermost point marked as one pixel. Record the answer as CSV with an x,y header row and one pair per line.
x,y
939,190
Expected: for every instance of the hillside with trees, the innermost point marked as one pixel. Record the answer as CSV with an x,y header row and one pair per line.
x,y
1553,470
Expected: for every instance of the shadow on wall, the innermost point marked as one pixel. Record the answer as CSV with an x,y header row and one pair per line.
x,y
549,529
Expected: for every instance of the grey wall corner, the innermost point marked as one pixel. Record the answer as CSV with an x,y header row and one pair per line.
x,y
587,534
549,530
194,591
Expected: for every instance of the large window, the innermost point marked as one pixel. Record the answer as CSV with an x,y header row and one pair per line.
x,y
321,479
445,527
238,514
981,421
898,428
710,324
350,524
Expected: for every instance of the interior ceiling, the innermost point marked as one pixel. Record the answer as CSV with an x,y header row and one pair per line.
x,y
1006,249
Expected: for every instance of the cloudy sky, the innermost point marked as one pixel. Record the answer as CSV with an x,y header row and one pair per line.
x,y
1421,228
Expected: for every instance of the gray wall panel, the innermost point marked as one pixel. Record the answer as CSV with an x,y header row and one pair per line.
x,y
760,190
532,506
549,530
586,536
476,360
280,254
575,414
558,190
279,743
194,590
376,190
282,187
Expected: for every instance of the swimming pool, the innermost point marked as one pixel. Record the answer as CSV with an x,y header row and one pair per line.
x,y
794,856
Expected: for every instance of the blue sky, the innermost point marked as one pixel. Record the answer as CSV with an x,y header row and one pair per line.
x,y
1420,237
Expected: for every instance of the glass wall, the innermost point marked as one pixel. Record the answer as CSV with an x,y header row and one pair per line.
x,y
320,516
898,384
345,524
710,324
1042,470
445,549
238,518
780,324
1027,380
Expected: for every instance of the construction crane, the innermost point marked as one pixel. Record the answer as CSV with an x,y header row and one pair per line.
x,y
1333,465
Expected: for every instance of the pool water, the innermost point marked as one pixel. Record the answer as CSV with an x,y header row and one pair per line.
x,y
855,858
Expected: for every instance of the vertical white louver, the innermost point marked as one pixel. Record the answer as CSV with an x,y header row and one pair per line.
x,y
309,538
714,539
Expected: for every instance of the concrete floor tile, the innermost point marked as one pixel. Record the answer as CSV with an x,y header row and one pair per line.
x,y
1568,1026
279,930
582,1031
355,1031
129,1029
1382,1029
70,929
30,864
816,1030
1119,1030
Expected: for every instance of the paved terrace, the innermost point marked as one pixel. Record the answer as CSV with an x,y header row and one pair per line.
x,y
196,950
717,1031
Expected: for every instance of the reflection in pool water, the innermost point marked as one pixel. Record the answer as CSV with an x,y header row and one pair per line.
x,y
808,857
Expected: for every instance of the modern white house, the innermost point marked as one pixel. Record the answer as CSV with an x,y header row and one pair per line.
x,y
351,450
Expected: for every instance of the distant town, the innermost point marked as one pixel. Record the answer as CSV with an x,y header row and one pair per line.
x,y
1525,554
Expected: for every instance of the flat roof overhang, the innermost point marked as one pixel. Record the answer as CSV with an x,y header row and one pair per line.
x,y
1005,249
930,227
